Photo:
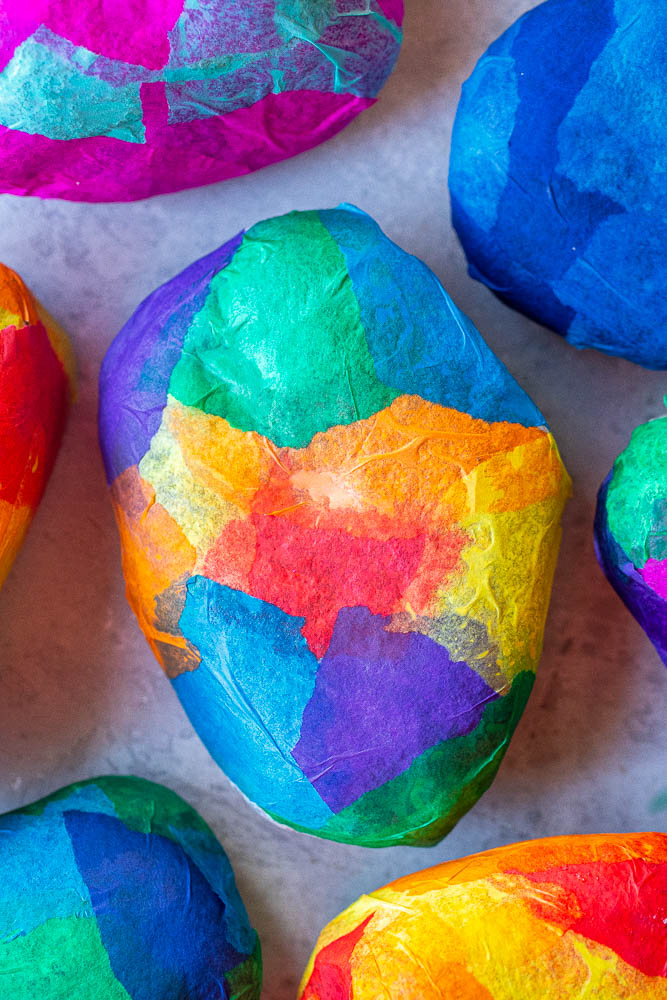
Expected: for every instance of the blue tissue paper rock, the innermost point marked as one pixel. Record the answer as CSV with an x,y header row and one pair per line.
x,y
558,173
116,889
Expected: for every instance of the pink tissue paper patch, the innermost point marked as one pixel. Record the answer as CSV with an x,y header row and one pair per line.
x,y
114,100
655,574
179,155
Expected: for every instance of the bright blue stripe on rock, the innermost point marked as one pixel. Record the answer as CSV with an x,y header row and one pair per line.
x,y
619,114
39,844
486,142
246,699
420,342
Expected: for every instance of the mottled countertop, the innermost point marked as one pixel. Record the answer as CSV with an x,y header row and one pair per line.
x,y
81,692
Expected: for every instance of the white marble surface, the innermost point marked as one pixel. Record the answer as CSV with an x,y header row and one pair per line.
x,y
81,693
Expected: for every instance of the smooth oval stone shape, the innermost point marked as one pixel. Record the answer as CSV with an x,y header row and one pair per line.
x,y
36,380
115,101
115,888
631,529
543,920
339,518
557,173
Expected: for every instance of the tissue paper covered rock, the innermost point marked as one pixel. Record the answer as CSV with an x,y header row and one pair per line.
x,y
631,529
557,173
339,518
115,888
543,920
35,386
115,101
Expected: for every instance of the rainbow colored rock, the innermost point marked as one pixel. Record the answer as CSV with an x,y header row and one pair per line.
x,y
631,529
36,379
115,888
115,101
557,174
339,518
543,920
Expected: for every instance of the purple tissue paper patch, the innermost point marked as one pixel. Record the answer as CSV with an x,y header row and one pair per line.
x,y
380,700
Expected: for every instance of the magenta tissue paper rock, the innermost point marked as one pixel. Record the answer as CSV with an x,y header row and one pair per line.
x,y
104,100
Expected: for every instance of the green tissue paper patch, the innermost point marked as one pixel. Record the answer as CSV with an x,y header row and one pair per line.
x,y
245,357
637,496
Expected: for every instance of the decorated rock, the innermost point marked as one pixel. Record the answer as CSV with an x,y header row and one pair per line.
x,y
557,173
339,518
115,101
115,888
36,378
543,920
631,529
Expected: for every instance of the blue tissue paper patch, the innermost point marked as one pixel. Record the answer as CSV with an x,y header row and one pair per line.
x,y
116,888
558,173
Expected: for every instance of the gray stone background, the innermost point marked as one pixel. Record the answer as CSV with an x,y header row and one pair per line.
x,y
81,694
